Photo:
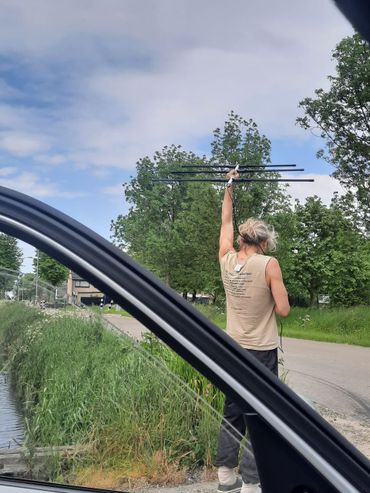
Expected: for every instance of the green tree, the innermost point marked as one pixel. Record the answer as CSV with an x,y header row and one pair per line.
x,y
342,117
10,253
350,260
173,229
197,230
49,269
148,231
240,142
328,255
284,222
10,262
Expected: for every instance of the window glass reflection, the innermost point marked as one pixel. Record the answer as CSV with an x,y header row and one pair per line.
x,y
89,397
102,402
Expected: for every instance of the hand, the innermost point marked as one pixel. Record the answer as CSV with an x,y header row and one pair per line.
x,y
233,174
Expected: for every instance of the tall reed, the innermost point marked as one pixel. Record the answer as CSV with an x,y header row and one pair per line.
x,y
131,402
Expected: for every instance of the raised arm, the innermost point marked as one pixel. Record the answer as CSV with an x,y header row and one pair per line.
x,y
227,229
274,279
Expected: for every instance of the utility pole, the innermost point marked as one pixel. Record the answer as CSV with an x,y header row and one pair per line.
x,y
19,281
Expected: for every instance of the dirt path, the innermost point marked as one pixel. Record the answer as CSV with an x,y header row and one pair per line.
x,y
204,487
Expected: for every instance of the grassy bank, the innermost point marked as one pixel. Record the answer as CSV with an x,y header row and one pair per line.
x,y
342,325
81,384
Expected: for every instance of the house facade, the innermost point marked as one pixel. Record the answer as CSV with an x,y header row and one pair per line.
x,y
80,291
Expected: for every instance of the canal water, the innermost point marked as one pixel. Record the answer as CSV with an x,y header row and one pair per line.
x,y
11,423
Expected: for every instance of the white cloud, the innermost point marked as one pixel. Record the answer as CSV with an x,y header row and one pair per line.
x,y
7,170
100,172
31,184
324,187
145,74
114,190
21,144
51,159
7,91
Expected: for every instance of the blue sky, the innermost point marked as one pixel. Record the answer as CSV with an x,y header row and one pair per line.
x,y
89,87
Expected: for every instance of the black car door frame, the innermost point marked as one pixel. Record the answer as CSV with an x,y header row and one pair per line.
x,y
287,435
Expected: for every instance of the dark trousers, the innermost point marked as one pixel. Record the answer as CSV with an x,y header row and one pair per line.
x,y
234,427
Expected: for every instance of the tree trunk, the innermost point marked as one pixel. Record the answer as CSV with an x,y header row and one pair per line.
x,y
313,299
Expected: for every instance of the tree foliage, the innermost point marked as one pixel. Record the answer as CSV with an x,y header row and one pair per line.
x,y
328,255
197,240
240,142
173,229
10,253
342,116
10,261
148,231
49,269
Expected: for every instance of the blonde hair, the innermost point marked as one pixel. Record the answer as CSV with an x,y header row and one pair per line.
x,y
254,231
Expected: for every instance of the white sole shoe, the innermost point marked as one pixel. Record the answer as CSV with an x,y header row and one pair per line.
x,y
233,488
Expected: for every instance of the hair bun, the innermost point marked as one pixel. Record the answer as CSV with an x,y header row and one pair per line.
x,y
254,231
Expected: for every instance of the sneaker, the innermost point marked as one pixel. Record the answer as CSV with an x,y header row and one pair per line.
x,y
251,488
230,488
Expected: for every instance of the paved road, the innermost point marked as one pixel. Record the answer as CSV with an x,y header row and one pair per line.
x,y
336,376
128,325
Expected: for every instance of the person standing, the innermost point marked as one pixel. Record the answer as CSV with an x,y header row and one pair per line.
x,y
255,293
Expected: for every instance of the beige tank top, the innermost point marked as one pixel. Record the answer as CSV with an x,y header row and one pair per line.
x,y
251,317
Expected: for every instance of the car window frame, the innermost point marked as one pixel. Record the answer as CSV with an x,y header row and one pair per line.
x,y
190,334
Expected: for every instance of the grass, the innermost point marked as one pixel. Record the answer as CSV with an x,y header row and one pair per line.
x,y
141,409
341,325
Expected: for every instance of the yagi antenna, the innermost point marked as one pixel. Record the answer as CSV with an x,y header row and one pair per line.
x,y
223,180
242,166
241,170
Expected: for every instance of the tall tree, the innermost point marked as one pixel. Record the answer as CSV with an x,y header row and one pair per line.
x,y
342,117
10,253
10,262
240,142
49,269
197,229
350,260
148,231
329,255
173,229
